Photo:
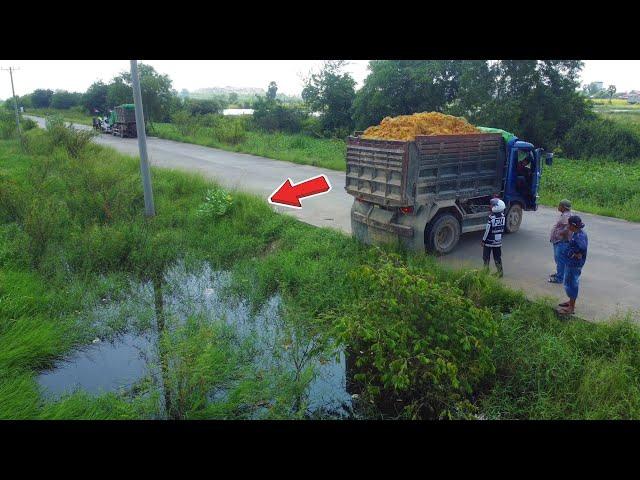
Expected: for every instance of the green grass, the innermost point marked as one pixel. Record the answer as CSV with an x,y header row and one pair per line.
x,y
602,187
69,115
72,231
296,148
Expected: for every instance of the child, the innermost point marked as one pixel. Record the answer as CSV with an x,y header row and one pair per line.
x,y
492,239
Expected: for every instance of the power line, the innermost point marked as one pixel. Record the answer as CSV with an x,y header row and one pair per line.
x,y
15,101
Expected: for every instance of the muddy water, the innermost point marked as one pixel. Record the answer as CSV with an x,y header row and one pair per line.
x,y
125,350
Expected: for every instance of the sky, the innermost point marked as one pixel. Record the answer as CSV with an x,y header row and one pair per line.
x,y
77,75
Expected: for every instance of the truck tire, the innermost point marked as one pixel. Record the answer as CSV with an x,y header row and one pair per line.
x,y
513,218
443,234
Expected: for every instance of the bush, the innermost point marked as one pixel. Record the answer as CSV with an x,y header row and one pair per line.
x,y
73,140
421,346
204,107
184,122
271,116
8,128
602,138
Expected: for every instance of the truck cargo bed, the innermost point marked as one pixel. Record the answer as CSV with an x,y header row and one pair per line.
x,y
431,168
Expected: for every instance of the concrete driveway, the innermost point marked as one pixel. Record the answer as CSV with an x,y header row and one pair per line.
x,y
609,283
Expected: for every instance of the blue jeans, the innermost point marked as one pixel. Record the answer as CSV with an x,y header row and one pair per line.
x,y
572,281
559,250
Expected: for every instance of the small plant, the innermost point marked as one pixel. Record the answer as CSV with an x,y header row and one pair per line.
x,y
217,203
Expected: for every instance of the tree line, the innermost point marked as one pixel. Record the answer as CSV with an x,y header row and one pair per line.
x,y
538,100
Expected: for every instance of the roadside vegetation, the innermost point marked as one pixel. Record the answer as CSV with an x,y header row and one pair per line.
x,y
72,115
72,236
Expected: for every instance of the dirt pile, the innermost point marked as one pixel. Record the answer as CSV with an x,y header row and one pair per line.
x,y
406,127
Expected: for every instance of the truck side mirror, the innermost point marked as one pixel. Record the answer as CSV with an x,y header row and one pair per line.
x,y
548,160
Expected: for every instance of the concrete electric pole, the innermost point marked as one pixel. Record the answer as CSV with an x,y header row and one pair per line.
x,y
15,100
149,208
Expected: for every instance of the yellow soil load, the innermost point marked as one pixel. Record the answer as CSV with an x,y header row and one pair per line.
x,y
406,127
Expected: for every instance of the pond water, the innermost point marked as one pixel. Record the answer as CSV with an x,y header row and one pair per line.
x,y
237,111
125,350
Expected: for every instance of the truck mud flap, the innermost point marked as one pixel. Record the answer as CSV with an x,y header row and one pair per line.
x,y
402,230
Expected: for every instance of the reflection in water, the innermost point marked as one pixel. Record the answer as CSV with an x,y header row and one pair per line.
x,y
130,356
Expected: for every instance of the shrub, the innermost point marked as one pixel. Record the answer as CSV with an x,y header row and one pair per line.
x,y
217,203
602,138
8,127
73,140
421,346
184,122
271,116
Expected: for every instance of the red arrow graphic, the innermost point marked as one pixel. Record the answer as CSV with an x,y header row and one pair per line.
x,y
289,194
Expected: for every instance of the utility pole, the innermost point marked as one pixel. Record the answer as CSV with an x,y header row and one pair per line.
x,y
149,208
15,101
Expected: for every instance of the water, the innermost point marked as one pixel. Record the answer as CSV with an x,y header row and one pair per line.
x,y
126,350
237,111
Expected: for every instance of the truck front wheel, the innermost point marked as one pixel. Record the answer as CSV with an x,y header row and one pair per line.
x,y
443,234
514,218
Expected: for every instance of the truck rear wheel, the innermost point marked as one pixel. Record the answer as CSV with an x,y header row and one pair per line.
x,y
443,234
514,219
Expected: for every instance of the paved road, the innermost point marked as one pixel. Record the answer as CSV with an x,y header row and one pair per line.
x,y
610,280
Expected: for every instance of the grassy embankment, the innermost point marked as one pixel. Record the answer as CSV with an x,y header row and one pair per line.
x,y
72,234
600,186
70,115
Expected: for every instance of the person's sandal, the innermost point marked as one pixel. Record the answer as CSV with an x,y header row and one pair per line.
x,y
554,279
564,311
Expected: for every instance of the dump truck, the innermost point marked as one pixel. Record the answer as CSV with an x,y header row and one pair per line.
x,y
123,121
425,193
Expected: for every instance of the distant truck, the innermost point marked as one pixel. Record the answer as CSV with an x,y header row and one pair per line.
x,y
123,121
425,193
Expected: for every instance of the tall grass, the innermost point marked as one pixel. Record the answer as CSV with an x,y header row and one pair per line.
x,y
77,116
295,148
600,186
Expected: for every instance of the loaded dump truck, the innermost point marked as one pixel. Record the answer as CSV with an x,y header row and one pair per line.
x,y
123,121
428,191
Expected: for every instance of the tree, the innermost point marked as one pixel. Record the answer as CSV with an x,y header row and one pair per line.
x,y
612,91
272,91
158,98
118,92
403,87
64,100
331,92
41,98
538,100
95,98
233,98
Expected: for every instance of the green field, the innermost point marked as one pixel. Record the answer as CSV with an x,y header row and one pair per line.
x,y
73,240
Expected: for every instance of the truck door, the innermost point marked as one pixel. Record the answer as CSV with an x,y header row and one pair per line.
x,y
536,172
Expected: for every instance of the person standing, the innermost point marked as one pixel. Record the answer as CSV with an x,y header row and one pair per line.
x,y
560,240
492,238
575,257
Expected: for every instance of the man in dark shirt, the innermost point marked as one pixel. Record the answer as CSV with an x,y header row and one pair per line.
x,y
575,258
492,238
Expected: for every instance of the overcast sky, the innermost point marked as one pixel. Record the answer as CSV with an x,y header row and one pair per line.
x,y
77,75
